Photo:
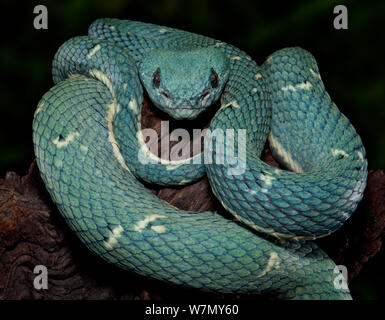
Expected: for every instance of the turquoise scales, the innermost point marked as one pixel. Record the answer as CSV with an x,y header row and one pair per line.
x,y
86,140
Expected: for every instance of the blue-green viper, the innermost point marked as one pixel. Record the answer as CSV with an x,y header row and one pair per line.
x,y
87,140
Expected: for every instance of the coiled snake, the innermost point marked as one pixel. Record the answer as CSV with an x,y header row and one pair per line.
x,y
88,142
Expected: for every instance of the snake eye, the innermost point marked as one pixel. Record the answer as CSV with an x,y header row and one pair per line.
x,y
213,78
156,78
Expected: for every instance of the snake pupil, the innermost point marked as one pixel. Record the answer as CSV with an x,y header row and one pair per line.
x,y
213,78
156,78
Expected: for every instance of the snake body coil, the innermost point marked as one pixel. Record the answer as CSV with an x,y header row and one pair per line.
x,y
86,134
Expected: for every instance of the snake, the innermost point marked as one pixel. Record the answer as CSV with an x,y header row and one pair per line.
x,y
90,150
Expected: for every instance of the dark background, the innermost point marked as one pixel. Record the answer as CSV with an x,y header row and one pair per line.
x,y
350,61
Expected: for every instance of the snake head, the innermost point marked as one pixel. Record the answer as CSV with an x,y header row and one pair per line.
x,y
183,83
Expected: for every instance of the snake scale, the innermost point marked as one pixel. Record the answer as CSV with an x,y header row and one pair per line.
x,y
87,140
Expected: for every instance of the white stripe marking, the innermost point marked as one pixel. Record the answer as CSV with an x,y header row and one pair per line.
x,y
287,88
93,51
133,106
103,78
267,179
337,152
304,86
173,166
272,263
66,141
294,166
144,223
159,229
111,137
39,108
231,103
114,235
314,73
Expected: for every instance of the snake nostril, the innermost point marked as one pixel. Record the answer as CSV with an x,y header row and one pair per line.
x,y
60,138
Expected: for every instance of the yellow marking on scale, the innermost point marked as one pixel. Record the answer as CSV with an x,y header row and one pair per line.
x,y
39,108
73,75
315,74
182,182
287,88
304,86
273,262
258,76
231,103
267,179
162,30
114,235
236,58
112,108
173,166
93,51
337,152
360,155
104,79
293,165
144,223
66,141
133,106
159,229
